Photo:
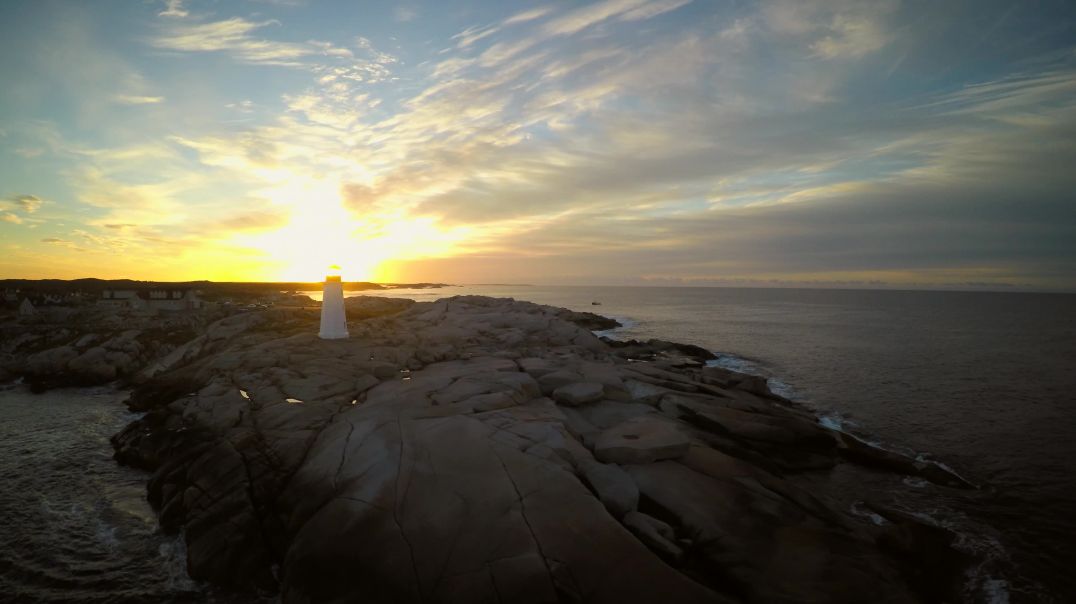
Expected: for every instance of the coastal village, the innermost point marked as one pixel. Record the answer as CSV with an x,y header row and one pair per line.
x,y
58,299
147,300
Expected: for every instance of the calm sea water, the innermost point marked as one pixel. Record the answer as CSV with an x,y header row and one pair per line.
x,y
984,382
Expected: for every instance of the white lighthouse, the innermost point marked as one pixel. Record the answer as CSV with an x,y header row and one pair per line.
x,y
333,319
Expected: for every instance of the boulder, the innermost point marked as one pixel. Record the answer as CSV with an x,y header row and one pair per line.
x,y
641,440
94,365
727,378
555,379
578,393
655,534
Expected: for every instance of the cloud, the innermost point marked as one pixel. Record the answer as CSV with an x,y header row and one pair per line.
x,y
54,240
232,36
244,106
27,203
628,10
528,15
832,29
404,14
850,37
375,55
236,38
173,8
653,9
471,35
127,99
249,221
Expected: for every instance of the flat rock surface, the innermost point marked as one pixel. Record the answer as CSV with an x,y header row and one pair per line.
x,y
578,393
435,456
644,439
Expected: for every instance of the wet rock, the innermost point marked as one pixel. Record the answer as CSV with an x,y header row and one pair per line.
x,y
928,558
726,378
867,454
588,320
652,350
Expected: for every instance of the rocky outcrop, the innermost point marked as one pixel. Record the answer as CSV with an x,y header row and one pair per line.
x,y
475,449
586,320
673,353
364,307
91,346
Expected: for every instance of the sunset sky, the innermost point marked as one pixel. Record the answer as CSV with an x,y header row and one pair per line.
x,y
820,142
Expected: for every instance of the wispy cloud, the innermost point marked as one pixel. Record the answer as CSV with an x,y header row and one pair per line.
x,y
128,99
832,29
405,13
21,204
851,36
528,15
27,203
628,10
233,36
173,8
471,35
236,38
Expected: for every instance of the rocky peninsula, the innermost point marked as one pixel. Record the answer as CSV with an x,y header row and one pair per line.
x,y
487,450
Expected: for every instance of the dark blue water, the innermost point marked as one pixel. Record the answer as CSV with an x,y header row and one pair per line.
x,y
985,382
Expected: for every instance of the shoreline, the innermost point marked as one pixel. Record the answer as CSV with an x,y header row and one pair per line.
x,y
675,390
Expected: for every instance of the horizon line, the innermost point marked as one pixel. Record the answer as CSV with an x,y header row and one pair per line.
x,y
837,286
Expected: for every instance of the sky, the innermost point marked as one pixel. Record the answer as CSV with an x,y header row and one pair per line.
x,y
874,143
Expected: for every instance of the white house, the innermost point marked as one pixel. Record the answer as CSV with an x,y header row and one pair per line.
x,y
151,299
26,308
117,298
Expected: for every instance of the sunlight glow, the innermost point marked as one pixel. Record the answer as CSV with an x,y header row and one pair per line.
x,y
321,232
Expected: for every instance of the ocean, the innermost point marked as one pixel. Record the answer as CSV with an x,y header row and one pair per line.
x,y
983,382
75,526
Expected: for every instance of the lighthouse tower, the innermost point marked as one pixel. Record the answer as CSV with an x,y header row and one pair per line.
x,y
333,320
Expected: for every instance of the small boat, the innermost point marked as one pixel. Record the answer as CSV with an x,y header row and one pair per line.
x,y
595,303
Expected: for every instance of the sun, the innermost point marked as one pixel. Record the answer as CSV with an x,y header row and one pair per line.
x,y
322,232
